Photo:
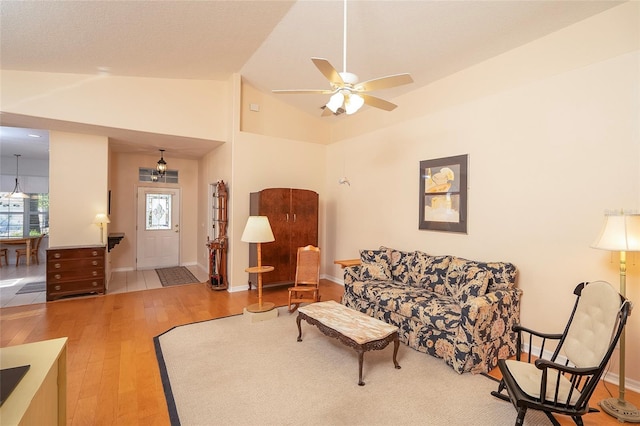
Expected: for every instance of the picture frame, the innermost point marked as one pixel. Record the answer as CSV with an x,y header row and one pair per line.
x,y
443,194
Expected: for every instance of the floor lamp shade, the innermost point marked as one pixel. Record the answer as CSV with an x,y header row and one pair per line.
x,y
621,233
257,230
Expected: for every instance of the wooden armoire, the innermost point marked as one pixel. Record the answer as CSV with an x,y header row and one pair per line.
x,y
293,215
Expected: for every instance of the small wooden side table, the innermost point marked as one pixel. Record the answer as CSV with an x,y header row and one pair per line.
x,y
260,306
347,262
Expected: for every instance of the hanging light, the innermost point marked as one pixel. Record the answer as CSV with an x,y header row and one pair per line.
x,y
352,103
162,165
17,191
335,102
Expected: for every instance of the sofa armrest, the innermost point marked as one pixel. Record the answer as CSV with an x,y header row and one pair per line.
x,y
487,321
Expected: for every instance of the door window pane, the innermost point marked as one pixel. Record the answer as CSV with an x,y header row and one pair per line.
x,y
158,212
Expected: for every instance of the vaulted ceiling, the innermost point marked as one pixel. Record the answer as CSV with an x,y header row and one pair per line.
x,y
270,43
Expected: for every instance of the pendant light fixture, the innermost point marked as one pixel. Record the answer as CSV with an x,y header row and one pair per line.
x,y
162,165
17,191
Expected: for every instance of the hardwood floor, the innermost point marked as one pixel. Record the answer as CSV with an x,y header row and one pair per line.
x,y
113,375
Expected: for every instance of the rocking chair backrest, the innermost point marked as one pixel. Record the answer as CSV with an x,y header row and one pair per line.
x,y
593,325
308,266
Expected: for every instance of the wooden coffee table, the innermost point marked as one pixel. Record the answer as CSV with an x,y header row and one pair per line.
x,y
353,328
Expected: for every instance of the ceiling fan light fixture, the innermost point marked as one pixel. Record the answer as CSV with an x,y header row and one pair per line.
x,y
335,102
352,103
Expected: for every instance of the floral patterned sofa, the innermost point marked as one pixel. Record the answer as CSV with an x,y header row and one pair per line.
x,y
449,307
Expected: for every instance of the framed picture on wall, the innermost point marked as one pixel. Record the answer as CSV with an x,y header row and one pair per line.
x,y
443,194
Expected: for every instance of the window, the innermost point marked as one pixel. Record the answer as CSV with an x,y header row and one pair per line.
x,y
151,175
158,212
21,217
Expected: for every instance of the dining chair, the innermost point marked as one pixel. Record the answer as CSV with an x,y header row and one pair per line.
x,y
34,251
4,253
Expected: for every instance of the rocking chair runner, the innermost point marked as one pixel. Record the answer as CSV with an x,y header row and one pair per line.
x,y
564,387
307,281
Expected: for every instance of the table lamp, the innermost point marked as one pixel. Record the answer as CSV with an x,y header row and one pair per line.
x,y
258,230
620,232
100,220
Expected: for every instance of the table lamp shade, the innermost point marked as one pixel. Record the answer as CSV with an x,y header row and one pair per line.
x,y
101,218
257,230
620,232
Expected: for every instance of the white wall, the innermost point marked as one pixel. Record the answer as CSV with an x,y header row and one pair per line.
x,y
549,153
78,190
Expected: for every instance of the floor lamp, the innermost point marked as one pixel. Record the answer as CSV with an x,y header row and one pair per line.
x,y
258,230
620,232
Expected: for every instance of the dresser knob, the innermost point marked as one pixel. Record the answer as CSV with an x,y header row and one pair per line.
x,y
57,287
94,263
95,284
57,266
94,253
57,276
57,255
95,273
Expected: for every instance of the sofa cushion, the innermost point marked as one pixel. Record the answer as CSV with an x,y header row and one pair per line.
x,y
400,264
466,280
502,275
376,265
440,312
429,272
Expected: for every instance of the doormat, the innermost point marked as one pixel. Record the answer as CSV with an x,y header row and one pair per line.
x,y
33,288
175,276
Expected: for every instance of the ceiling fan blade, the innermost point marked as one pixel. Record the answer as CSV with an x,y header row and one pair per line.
x,y
326,111
384,82
377,102
303,91
328,71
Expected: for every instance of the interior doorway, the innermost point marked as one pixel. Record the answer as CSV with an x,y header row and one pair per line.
x,y
158,228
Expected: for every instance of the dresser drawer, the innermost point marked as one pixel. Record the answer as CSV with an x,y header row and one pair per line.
x,y
74,274
76,253
69,265
56,290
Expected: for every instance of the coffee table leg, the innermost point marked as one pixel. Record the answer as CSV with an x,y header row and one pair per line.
x,y
396,344
299,328
360,361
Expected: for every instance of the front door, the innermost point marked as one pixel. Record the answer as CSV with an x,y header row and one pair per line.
x,y
158,224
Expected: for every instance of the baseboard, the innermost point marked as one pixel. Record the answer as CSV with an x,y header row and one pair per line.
x,y
630,384
332,279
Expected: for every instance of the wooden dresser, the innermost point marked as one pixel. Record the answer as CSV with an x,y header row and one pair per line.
x,y
75,270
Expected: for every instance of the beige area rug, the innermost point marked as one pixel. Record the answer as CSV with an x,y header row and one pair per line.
x,y
175,276
233,372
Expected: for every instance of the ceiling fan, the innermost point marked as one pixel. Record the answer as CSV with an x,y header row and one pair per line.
x,y
347,94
